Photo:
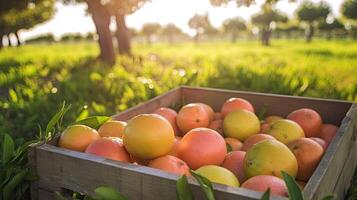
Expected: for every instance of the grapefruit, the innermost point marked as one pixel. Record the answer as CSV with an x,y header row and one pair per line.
x,y
241,124
234,162
192,116
286,130
218,174
309,120
262,182
308,154
269,157
328,132
112,129
170,164
111,148
233,104
170,115
77,137
252,140
148,136
202,146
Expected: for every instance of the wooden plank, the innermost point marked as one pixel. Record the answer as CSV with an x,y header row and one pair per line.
x,y
332,111
324,179
64,169
165,100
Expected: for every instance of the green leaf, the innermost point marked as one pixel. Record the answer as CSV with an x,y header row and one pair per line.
x,y
59,196
328,197
266,195
183,190
94,122
229,148
109,193
13,184
82,115
205,184
56,119
293,188
262,112
8,149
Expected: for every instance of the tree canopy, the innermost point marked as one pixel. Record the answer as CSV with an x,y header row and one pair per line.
x,y
310,12
349,9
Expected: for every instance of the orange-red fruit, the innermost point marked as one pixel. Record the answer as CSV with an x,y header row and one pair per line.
x,y
252,140
217,125
320,141
111,148
234,162
328,132
192,116
218,115
112,129
234,143
262,182
308,154
202,146
209,111
233,104
170,164
77,137
174,149
264,127
309,120
170,115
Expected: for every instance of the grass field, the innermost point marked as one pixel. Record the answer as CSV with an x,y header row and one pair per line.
x,y
35,79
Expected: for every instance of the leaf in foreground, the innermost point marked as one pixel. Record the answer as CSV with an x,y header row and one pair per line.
x,y
293,188
94,121
266,195
183,190
108,193
8,149
205,184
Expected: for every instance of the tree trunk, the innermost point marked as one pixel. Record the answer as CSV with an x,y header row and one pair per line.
x,y
101,18
196,37
1,37
234,37
122,35
9,43
310,32
18,39
266,37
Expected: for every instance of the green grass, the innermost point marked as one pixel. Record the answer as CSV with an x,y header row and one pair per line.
x,y
35,79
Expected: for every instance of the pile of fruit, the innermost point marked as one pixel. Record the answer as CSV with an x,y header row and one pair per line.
x,y
231,147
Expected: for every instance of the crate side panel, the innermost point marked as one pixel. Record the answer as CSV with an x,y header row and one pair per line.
x,y
325,177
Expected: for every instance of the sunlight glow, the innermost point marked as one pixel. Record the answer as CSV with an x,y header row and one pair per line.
x,y
74,19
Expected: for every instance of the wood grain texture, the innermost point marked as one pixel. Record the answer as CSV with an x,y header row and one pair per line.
x,y
64,169
60,169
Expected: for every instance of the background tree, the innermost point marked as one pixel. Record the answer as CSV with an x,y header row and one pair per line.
x,y
200,23
21,16
233,26
349,9
150,29
170,31
265,19
330,27
290,29
311,14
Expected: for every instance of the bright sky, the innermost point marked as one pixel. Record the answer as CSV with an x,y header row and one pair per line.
x,y
73,18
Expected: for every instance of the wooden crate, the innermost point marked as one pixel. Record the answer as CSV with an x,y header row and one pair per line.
x,y
61,169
